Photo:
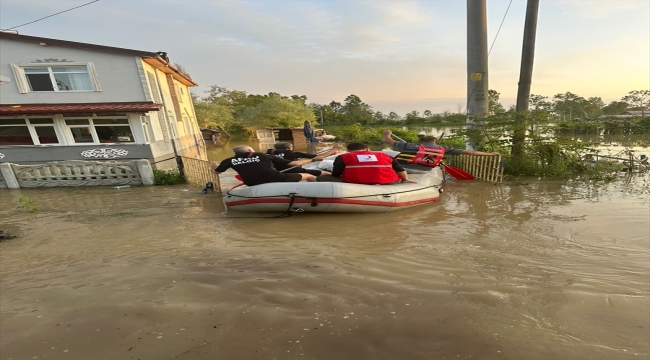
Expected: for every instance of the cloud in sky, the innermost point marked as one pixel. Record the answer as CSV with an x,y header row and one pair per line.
x,y
393,54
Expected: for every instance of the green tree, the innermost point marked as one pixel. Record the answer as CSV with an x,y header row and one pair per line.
x,y
393,116
277,111
571,106
494,106
356,111
638,100
616,108
212,115
413,117
539,104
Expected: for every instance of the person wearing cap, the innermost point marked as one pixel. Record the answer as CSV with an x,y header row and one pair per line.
x,y
256,168
285,151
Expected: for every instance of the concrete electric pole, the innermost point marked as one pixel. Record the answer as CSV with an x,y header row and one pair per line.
x,y
525,75
477,61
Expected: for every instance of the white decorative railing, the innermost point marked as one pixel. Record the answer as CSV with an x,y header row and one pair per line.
x,y
77,173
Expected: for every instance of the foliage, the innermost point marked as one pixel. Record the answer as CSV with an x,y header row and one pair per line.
x,y
25,203
369,136
494,107
238,112
638,99
168,177
276,111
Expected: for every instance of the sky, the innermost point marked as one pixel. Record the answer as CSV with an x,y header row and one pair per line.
x,y
396,55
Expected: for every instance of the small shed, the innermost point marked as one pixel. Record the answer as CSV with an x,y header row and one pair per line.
x,y
214,135
294,134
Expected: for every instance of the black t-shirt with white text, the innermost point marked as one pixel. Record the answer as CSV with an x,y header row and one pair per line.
x,y
256,168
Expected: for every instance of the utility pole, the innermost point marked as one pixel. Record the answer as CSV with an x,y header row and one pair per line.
x,y
525,76
477,62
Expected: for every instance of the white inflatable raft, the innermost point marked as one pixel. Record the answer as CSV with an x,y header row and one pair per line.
x,y
335,196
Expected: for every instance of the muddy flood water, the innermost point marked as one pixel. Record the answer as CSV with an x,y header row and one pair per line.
x,y
524,270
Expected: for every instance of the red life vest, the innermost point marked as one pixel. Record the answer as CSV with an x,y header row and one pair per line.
x,y
368,167
429,156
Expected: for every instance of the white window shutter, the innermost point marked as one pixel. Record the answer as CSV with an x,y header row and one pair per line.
x,y
21,80
93,74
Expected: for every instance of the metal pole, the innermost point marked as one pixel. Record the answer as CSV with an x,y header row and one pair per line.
x,y
477,62
525,75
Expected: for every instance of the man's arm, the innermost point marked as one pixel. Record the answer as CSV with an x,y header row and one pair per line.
x,y
334,151
401,172
280,162
219,168
338,167
480,153
301,162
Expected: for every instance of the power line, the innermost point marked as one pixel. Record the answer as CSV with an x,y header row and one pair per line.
x,y
497,35
61,12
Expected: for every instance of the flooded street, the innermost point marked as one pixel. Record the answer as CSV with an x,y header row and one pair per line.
x,y
530,270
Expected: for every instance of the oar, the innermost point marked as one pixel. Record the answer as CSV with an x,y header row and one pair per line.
x,y
453,171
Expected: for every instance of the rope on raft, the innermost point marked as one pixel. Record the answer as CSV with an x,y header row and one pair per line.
x,y
293,195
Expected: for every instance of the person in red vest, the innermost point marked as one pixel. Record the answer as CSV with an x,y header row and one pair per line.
x,y
425,143
362,166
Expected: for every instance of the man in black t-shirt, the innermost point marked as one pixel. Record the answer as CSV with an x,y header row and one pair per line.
x,y
257,168
285,151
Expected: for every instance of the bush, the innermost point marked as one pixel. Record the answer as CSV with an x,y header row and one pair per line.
x,y
168,177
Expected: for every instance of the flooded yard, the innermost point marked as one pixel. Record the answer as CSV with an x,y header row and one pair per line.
x,y
524,270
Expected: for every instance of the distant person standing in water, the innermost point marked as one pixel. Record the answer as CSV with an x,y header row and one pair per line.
x,y
308,131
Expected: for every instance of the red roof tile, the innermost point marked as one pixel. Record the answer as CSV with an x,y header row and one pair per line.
x,y
92,108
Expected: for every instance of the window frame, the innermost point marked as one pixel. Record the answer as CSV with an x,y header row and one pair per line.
x,y
23,83
93,131
64,134
32,130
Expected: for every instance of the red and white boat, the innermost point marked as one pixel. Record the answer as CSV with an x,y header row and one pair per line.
x,y
335,196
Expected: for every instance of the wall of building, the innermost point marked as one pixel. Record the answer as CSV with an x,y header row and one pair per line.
x,y
176,121
118,74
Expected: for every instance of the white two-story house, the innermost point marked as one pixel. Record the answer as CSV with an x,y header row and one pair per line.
x,y
64,100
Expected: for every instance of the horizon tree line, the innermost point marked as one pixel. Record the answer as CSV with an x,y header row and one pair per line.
x,y
238,112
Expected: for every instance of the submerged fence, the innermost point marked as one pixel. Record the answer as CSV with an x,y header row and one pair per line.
x,y
76,173
488,168
198,172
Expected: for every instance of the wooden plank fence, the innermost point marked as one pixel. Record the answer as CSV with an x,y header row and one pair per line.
x,y
488,168
197,172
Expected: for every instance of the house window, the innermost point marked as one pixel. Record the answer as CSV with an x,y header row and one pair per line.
x,y
100,130
56,78
27,131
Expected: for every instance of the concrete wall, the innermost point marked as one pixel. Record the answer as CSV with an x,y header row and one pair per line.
x,y
118,75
